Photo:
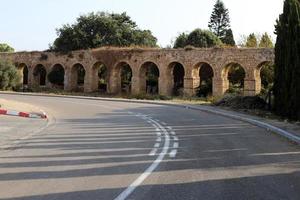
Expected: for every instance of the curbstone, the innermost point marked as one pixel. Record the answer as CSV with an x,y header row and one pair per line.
x,y
23,114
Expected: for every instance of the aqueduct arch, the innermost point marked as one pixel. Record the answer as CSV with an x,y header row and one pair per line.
x,y
227,76
79,70
77,77
56,76
176,72
99,77
203,74
149,78
39,75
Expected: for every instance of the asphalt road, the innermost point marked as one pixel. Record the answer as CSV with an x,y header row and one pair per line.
x,y
97,150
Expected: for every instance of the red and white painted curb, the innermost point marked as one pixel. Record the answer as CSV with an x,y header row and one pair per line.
x,y
23,114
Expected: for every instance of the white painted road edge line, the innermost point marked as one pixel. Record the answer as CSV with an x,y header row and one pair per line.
x,y
175,145
173,153
150,169
254,122
153,152
157,145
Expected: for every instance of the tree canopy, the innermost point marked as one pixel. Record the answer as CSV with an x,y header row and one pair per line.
x,y
219,23
251,41
198,38
287,61
229,39
181,40
9,76
102,29
6,48
265,41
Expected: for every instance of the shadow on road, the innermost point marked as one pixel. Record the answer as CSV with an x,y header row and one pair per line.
x,y
218,158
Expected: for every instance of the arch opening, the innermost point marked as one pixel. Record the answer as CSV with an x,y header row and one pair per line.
x,y
125,73
149,75
77,78
100,77
40,74
264,75
205,73
234,75
57,76
178,73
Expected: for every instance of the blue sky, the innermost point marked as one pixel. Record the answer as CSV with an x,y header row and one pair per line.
x,y
31,24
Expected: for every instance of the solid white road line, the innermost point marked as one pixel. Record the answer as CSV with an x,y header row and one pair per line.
x,y
153,152
175,145
150,169
157,145
173,153
175,138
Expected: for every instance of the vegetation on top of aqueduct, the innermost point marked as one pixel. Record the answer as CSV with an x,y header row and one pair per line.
x,y
219,33
102,29
6,48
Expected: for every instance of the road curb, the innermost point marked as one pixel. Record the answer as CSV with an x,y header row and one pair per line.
x,y
260,124
23,114
264,125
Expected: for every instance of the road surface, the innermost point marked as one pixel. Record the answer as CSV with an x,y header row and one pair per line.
x,y
97,150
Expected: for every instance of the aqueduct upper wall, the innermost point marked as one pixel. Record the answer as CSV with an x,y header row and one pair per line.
x,y
191,59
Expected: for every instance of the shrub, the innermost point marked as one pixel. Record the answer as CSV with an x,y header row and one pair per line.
x,y
242,102
9,76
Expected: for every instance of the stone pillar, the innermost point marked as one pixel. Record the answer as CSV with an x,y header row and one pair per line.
x,y
135,81
30,77
114,82
220,86
165,83
67,79
190,85
48,69
88,80
250,87
252,82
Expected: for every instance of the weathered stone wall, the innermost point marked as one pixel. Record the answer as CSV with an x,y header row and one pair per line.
x,y
191,59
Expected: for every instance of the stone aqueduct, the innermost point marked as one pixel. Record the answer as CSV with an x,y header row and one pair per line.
x,y
190,60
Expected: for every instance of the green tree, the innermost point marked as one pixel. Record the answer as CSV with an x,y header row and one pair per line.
x,y
6,48
265,41
181,40
9,76
251,41
102,29
203,38
198,38
287,61
229,39
219,23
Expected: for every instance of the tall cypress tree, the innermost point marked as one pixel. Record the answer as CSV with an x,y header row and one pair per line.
x,y
219,23
287,61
